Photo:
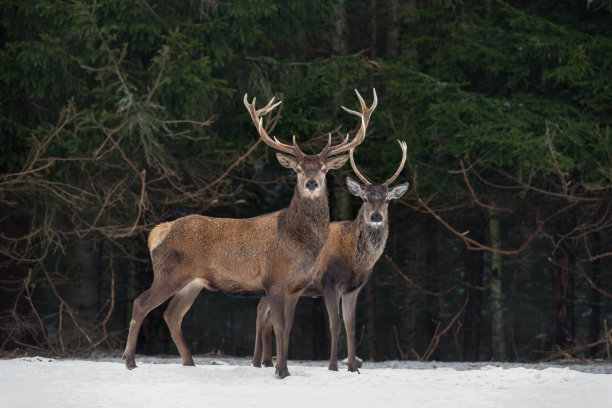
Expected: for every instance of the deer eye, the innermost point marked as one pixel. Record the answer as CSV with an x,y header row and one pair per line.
x,y
365,200
387,201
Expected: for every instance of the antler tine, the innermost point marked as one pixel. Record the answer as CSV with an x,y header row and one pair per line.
x,y
365,119
256,116
356,170
401,166
362,103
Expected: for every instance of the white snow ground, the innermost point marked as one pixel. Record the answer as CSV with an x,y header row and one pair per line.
x,y
231,382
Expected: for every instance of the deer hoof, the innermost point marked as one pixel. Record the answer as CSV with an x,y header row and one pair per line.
x,y
256,364
130,365
268,363
333,367
280,374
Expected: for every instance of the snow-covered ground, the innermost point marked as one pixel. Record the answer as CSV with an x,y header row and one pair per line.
x,y
231,382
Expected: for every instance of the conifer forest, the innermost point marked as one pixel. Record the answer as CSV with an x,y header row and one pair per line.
x,y
117,115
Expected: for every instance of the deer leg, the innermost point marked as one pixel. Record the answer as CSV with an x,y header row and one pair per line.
x,y
267,342
179,305
277,314
331,303
147,301
290,304
349,302
260,322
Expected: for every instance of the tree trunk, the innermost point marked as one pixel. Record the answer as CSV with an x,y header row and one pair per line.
x,y
393,27
434,303
373,30
341,208
395,17
339,45
474,270
370,298
319,330
564,294
498,339
595,317
85,294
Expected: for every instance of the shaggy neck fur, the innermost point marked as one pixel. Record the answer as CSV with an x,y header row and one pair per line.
x,y
306,220
371,241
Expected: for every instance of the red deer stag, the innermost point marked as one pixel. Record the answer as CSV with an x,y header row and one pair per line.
x,y
347,259
273,255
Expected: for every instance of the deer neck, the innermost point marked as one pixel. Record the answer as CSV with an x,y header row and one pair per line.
x,y
307,219
371,240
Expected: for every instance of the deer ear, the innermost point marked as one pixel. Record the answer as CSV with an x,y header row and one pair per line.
x,y
286,161
354,187
336,162
397,191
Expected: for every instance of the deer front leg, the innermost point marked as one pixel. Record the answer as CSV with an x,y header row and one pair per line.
x,y
260,321
290,304
331,303
349,302
277,315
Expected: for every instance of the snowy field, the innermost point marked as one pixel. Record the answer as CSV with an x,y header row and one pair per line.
x,y
231,382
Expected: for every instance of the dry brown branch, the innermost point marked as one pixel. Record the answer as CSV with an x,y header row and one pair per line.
x,y
415,284
554,157
59,328
569,352
68,309
110,309
435,340
582,274
474,245
28,296
218,179
473,193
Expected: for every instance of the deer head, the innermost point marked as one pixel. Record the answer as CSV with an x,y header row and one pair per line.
x,y
376,198
311,169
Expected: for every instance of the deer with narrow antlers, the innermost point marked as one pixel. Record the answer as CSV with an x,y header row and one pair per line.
x,y
347,259
273,255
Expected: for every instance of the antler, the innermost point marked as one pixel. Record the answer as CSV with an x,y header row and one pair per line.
x,y
365,119
256,115
392,179
401,166
356,170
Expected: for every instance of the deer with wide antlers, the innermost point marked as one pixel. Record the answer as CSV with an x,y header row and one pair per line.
x,y
273,255
347,259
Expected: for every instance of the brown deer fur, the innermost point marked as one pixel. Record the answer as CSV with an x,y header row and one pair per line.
x,y
347,259
273,255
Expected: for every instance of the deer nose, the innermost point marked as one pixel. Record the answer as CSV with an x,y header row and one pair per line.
x,y
376,217
312,184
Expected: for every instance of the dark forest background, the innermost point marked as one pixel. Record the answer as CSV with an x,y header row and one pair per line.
x,y
118,115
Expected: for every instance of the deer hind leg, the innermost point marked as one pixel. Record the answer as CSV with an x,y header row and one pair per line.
x,y
267,343
260,331
147,301
349,301
179,305
331,303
